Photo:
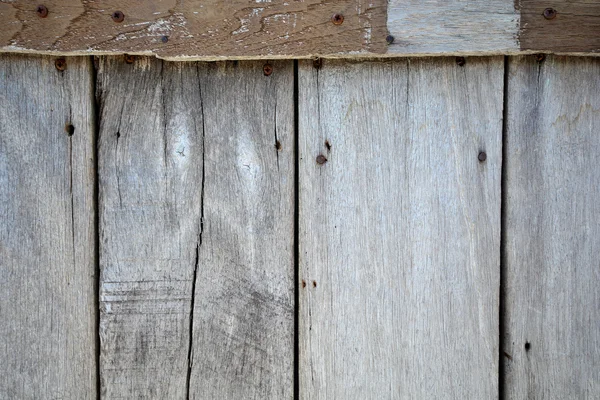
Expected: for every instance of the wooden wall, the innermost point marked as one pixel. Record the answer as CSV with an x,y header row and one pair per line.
x,y
384,229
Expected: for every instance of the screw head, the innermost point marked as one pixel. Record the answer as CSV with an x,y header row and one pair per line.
x,y
42,11
337,19
389,39
267,69
549,13
321,159
118,16
164,39
129,59
460,61
482,156
60,64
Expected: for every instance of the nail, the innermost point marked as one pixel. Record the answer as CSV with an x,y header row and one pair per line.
x,y
164,39
549,13
317,63
267,69
42,11
337,19
389,39
540,57
60,64
129,59
482,156
118,16
460,61
321,159
70,129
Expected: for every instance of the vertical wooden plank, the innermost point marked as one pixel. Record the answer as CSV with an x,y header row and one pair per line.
x,y
195,198
244,310
399,228
552,343
47,235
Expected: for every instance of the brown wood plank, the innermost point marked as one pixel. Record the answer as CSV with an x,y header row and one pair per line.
x,y
241,29
48,304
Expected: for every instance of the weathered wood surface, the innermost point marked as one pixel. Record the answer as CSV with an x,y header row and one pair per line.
x,y
552,229
238,29
196,214
399,230
47,236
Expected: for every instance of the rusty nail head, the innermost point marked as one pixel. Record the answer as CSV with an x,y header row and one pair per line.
x,y
389,39
337,19
482,156
267,69
42,11
549,13
118,16
460,61
321,159
129,59
540,57
164,39
60,64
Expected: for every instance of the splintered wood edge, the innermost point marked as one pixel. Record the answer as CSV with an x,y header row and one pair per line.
x,y
206,30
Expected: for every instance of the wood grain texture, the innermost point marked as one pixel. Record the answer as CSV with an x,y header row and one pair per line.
x,y
399,230
552,229
195,198
576,27
47,235
455,26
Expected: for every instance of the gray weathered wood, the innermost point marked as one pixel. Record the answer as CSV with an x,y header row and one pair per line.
x,y
195,196
400,229
552,229
47,234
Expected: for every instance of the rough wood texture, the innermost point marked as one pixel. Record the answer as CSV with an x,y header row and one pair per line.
x,y
47,235
239,29
194,196
551,347
454,26
399,229
576,27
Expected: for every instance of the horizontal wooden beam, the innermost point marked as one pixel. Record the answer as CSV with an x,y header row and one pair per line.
x,y
240,29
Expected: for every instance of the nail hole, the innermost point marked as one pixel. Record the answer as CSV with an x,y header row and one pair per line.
x,y
482,156
164,39
267,69
118,16
70,129
278,145
314,284
540,57
527,346
317,63
303,283
321,159
129,59
328,145
60,64
118,135
460,61
337,19
42,11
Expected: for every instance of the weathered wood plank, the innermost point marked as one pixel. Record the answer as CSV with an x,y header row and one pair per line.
x,y
194,196
47,235
241,29
399,230
551,346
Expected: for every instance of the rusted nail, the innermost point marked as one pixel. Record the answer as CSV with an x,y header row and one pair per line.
x,y
164,39
42,11
337,19
315,284
482,156
267,69
389,39
460,61
70,129
321,159
549,13
118,16
540,57
317,63
303,283
129,59
60,64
